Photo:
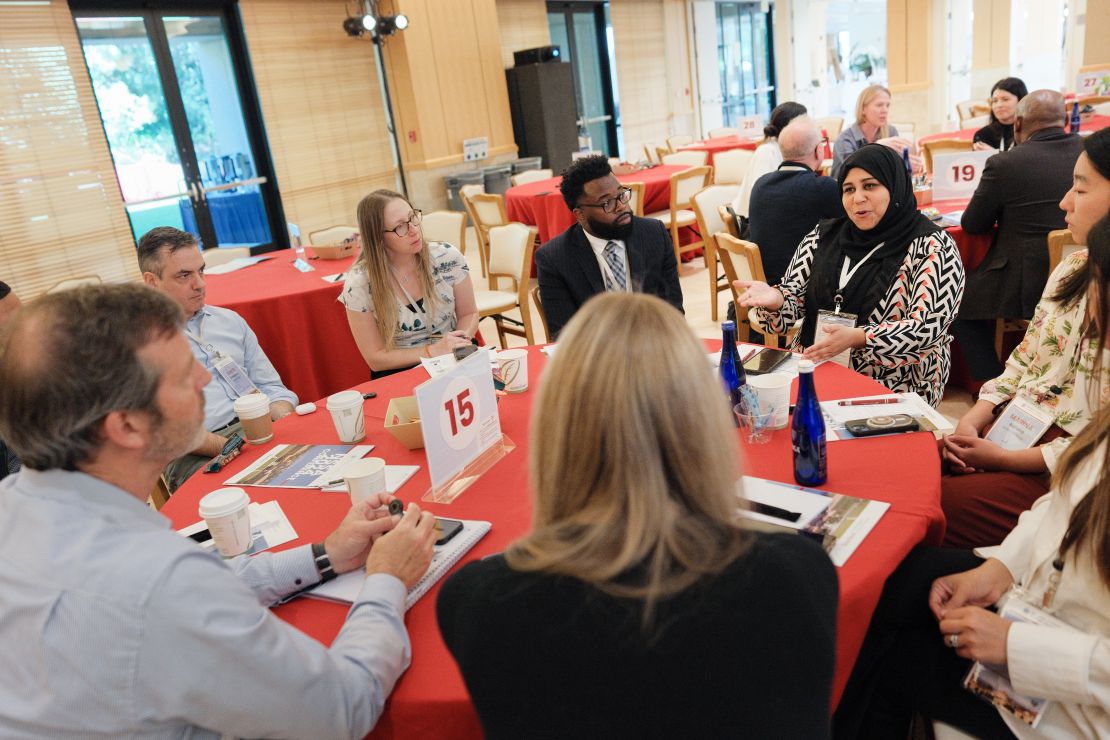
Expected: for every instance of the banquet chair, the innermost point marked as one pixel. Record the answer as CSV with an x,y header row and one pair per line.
x,y
970,109
486,211
535,293
975,121
221,256
650,153
832,126
943,146
329,236
731,166
528,176
742,261
688,158
706,203
510,256
445,226
660,152
718,133
729,222
74,282
674,142
636,200
161,493
683,186
1093,100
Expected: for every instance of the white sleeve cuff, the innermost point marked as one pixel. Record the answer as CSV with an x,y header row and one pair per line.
x,y
1050,662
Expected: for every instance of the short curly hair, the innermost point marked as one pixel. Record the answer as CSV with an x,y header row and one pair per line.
x,y
580,172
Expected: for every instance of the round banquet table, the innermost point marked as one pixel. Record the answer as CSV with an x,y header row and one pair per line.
x,y
430,700
300,325
1094,123
721,144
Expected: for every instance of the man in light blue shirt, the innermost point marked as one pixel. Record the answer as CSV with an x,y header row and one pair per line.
x,y
111,623
172,263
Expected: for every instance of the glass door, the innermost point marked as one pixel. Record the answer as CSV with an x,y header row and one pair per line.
x,y
169,98
583,34
745,60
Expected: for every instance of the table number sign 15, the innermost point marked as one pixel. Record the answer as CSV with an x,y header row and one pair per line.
x,y
956,175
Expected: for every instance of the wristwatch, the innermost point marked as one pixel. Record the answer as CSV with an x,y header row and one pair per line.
x,y
323,562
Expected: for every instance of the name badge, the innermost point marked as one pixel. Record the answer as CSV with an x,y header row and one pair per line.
x,y
827,318
234,376
1020,426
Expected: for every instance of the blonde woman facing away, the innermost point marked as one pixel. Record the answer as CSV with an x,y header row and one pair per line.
x,y
871,127
406,298
637,607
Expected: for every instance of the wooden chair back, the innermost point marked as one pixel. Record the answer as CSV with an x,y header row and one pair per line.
x,y
731,166
535,293
674,142
636,200
690,158
706,204
943,146
330,236
221,256
445,226
832,126
1058,242
528,176
511,246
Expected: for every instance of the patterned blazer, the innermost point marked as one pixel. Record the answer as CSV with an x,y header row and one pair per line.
x,y
907,333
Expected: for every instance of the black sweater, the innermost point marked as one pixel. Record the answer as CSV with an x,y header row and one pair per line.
x,y
747,653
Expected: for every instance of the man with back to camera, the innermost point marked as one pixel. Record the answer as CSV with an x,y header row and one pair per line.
x,y
220,340
1020,190
608,249
112,623
786,204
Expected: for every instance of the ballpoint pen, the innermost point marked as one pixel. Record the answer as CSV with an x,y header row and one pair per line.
x,y
871,401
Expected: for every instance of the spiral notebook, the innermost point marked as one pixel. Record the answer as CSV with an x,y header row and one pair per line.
x,y
345,588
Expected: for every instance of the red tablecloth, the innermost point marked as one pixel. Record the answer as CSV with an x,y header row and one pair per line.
x,y
721,144
430,700
1094,123
300,325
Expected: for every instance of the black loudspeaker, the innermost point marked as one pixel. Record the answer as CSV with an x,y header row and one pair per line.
x,y
541,100
539,55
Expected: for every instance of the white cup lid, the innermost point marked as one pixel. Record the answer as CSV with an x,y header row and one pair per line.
x,y
223,501
344,399
363,467
251,402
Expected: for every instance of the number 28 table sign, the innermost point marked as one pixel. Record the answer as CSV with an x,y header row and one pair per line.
x,y
458,412
957,174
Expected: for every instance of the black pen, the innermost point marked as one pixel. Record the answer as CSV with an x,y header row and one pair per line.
x,y
775,511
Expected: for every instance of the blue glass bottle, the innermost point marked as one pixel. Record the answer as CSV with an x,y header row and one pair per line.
x,y
1075,118
807,432
733,376
906,161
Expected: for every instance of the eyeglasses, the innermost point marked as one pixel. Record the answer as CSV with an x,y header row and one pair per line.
x,y
610,204
402,229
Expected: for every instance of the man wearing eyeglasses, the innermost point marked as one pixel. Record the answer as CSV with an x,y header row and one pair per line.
x,y
608,249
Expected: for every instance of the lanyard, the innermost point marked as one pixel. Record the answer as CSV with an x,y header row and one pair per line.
x,y
207,347
408,296
846,275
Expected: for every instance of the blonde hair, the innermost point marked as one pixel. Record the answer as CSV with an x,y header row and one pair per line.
x,y
633,456
870,93
371,227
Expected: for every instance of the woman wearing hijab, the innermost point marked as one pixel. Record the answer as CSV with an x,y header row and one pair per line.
x,y
999,133
882,284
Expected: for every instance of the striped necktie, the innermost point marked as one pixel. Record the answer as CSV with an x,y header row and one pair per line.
x,y
616,265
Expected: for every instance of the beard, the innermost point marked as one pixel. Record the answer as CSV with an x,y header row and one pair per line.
x,y
170,439
604,230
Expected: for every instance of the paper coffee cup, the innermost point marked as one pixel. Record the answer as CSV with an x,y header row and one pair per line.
x,y
229,520
773,393
364,477
347,415
253,411
514,369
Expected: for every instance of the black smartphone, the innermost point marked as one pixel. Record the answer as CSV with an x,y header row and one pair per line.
x,y
446,529
465,351
881,425
765,360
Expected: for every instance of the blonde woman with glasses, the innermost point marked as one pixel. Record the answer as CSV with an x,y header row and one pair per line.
x,y
406,297
637,607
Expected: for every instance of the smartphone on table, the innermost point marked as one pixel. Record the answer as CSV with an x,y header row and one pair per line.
x,y
765,360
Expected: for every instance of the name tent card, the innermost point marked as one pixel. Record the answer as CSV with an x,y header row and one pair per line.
x,y
957,174
751,127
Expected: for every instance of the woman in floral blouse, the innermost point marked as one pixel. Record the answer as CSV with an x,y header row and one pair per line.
x,y
1060,368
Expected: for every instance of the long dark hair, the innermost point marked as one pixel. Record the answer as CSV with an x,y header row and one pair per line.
x,y
1012,85
783,114
1089,525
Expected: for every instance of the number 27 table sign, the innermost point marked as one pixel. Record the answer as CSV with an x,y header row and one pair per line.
x,y
458,412
956,175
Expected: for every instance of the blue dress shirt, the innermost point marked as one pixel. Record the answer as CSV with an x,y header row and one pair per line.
x,y
214,332
112,624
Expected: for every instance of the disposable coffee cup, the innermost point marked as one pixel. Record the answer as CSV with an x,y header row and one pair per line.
x,y
514,369
253,411
229,520
772,390
364,477
347,415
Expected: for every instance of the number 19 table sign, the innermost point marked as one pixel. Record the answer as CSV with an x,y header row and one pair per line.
x,y
957,174
458,412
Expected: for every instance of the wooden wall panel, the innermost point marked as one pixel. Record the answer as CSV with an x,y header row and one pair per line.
x,y
523,25
1096,46
909,43
639,39
991,34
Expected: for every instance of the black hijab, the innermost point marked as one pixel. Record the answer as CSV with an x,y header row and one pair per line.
x,y
900,225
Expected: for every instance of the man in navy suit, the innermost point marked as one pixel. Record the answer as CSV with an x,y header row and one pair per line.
x,y
609,249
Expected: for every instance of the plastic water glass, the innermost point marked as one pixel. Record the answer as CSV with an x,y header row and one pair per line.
x,y
755,426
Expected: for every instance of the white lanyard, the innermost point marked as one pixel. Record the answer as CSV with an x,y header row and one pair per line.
x,y
206,347
408,296
846,275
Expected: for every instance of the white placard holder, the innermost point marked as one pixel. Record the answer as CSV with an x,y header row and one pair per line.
x,y
1092,82
751,127
957,174
461,427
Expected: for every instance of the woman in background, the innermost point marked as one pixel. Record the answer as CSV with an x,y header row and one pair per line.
x,y
406,298
767,156
871,127
637,607
999,133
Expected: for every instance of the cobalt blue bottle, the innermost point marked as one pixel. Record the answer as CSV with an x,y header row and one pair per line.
x,y
1075,118
733,376
807,432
